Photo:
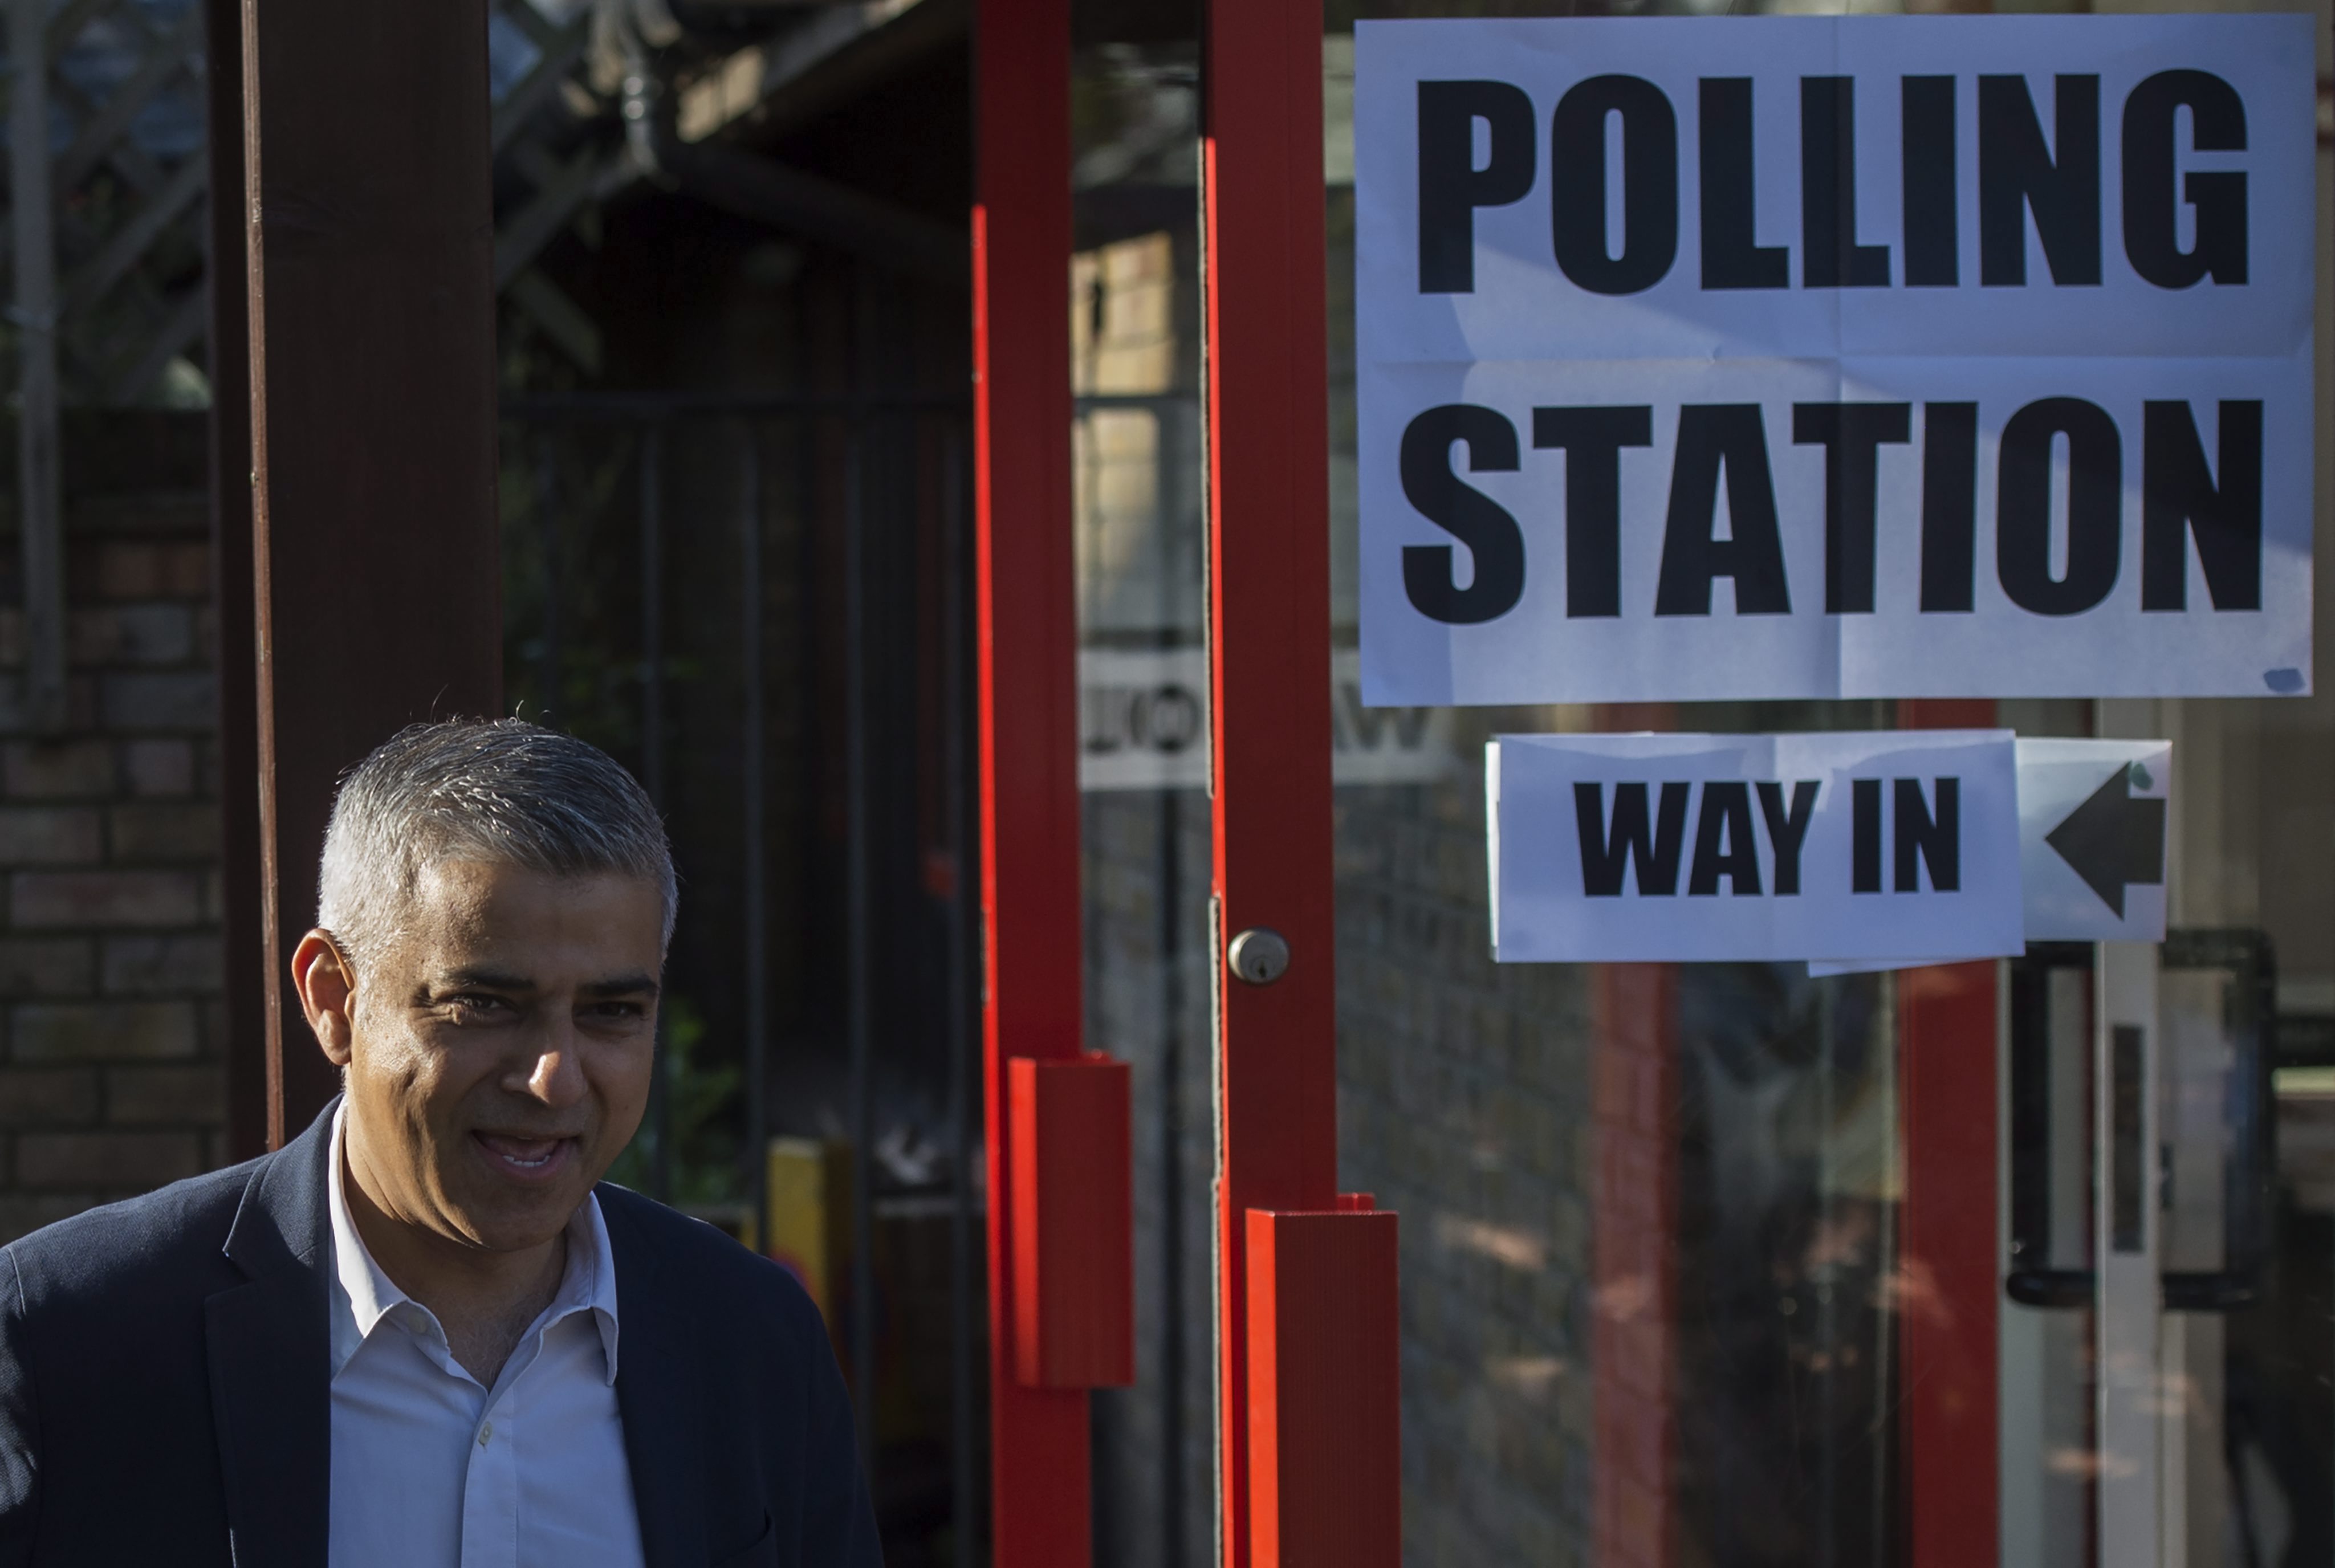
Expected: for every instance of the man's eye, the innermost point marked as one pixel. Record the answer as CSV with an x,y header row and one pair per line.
x,y
618,1011
478,1007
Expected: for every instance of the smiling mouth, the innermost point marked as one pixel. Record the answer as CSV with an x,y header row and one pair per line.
x,y
525,1158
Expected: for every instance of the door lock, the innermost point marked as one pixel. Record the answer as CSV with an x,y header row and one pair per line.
x,y
1259,955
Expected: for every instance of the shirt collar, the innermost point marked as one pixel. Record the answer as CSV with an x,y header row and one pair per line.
x,y
365,1295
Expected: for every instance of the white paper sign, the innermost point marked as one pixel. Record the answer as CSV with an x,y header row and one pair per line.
x,y
2093,817
1811,357
2092,823
1621,848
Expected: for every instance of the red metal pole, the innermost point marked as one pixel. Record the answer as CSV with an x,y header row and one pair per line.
x,y
1634,1238
1635,1241
1029,708
1949,1296
1327,1463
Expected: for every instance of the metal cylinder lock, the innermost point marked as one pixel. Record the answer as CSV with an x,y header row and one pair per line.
x,y
1259,955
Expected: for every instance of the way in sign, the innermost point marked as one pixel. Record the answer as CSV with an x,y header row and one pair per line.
x,y
1617,848
1927,825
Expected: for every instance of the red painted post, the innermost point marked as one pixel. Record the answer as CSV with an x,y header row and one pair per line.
x,y
1633,1245
1326,1363
1073,1223
1948,1294
1634,1240
1028,707
1269,603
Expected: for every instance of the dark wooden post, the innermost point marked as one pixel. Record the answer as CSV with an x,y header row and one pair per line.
x,y
246,1046
375,587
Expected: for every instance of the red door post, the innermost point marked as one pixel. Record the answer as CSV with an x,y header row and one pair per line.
x,y
1949,1294
1048,1342
1308,1404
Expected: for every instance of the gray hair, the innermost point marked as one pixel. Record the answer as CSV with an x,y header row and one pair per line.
x,y
498,791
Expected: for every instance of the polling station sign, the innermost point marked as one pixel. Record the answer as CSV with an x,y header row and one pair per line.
x,y
1781,357
1623,848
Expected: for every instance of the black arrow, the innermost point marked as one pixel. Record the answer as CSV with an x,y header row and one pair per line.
x,y
2114,839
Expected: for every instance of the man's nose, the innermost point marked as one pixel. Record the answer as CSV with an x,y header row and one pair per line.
x,y
556,1075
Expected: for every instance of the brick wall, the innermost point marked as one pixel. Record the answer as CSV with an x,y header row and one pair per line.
x,y
111,1080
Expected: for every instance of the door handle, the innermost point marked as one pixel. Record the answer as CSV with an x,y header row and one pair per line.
x,y
2250,1110
2250,1172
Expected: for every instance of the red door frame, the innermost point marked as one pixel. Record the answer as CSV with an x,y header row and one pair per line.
x,y
1269,653
1949,1252
1027,619
1307,1416
1307,1405
1308,1400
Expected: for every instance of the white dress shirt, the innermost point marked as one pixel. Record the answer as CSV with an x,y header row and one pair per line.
x,y
430,1470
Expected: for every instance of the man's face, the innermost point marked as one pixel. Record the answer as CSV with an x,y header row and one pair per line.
x,y
501,1050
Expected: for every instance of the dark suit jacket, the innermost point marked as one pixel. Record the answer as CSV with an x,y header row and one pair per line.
x,y
165,1385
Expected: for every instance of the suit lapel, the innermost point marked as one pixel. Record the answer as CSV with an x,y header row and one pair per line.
x,y
658,1396
270,1362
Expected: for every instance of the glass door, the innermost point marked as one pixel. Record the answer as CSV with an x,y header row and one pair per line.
x,y
2029,1263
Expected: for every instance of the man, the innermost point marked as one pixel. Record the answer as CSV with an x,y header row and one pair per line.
x,y
421,1333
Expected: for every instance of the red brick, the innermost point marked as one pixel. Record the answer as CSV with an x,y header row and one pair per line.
x,y
149,569
162,966
48,1096
132,635
164,1096
178,700
164,832
49,836
90,900
186,571
22,1213
105,1161
81,704
101,1030
129,569
47,966
158,768
38,770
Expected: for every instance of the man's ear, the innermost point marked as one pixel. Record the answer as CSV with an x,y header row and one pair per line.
x,y
327,984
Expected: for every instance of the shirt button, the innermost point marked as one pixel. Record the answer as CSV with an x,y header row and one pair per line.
x,y
484,1433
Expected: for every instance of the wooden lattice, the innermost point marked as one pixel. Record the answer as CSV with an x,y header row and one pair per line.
x,y
124,83
130,178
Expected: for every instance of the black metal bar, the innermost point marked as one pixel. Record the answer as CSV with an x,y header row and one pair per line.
x,y
2128,1159
860,896
653,760
546,508
631,406
963,1002
879,231
1172,1481
758,941
1175,504
1828,1369
242,873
